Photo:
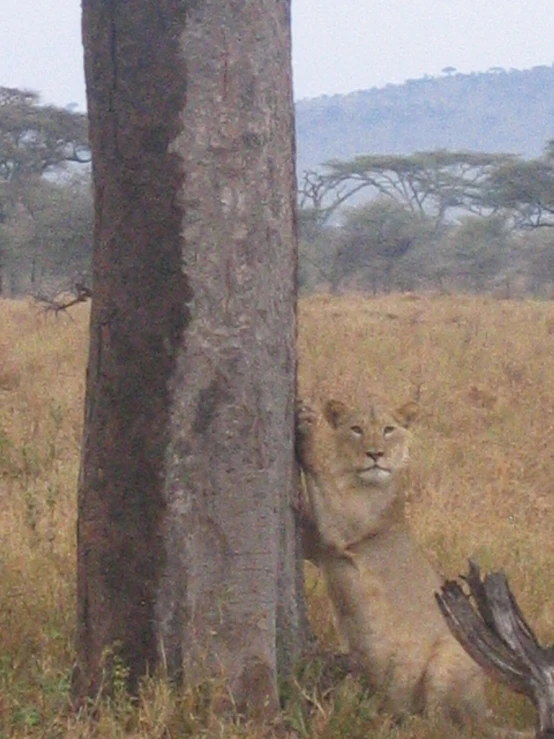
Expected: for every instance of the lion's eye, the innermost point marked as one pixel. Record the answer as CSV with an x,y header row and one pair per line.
x,y
388,430
356,430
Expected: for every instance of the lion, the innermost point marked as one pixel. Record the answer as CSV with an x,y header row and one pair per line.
x,y
380,583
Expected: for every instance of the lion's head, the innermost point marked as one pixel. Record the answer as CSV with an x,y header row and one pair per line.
x,y
372,443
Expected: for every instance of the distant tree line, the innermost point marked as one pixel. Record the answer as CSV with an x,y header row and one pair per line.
x,y
441,219
45,199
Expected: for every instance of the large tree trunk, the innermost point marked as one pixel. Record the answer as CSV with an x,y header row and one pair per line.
x,y
186,541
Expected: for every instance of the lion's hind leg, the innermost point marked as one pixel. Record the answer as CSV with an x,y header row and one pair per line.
x,y
454,686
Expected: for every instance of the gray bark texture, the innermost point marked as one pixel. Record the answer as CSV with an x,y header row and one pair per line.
x,y
497,636
187,549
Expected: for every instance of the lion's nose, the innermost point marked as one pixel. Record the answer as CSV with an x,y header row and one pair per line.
x,y
375,454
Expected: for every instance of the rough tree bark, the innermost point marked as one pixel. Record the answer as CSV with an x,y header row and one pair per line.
x,y
187,550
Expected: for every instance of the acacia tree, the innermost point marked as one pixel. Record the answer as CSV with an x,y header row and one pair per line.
x,y
49,240
186,538
523,190
374,238
35,140
428,183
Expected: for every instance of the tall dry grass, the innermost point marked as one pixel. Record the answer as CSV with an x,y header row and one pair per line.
x,y
481,485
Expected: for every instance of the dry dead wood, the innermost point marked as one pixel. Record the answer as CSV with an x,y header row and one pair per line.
x,y
496,635
58,305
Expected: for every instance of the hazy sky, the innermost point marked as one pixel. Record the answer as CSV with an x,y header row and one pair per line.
x,y
339,45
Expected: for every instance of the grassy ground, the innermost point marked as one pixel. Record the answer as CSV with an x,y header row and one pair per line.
x,y
482,484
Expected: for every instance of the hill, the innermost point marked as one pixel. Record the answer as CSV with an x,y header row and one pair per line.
x,y
494,111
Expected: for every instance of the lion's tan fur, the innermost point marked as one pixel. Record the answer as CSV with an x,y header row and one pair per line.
x,y
381,584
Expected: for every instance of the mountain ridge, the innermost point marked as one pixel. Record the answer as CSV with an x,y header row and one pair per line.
x,y
495,111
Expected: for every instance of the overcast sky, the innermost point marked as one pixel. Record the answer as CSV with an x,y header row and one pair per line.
x,y
339,45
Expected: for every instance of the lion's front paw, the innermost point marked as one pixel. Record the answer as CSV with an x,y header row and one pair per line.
x,y
306,418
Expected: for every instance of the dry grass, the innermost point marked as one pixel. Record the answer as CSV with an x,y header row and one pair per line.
x,y
482,484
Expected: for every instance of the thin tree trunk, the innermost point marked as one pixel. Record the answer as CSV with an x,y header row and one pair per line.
x,y
186,542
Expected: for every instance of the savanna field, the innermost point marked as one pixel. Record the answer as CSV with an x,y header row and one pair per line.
x,y
481,485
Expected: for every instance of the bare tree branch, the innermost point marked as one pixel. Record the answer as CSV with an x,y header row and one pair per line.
x,y
57,305
497,636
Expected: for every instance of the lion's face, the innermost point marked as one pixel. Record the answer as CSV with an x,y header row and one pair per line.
x,y
373,443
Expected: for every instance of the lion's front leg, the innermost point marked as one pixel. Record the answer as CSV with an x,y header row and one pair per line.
x,y
322,530
306,420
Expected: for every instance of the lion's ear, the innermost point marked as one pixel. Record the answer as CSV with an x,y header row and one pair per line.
x,y
407,413
334,412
